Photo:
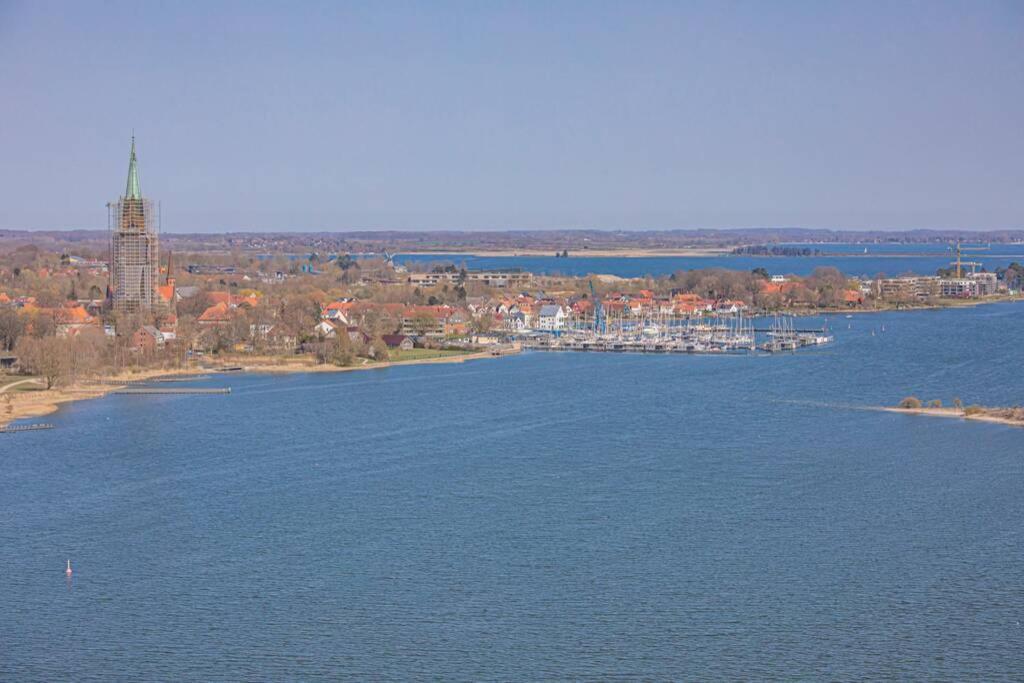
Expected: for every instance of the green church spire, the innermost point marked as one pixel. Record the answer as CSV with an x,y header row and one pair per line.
x,y
132,191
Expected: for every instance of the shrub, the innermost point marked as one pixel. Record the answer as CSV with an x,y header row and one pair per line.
x,y
973,410
936,403
912,402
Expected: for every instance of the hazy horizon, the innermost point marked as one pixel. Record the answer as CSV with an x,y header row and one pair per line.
x,y
458,116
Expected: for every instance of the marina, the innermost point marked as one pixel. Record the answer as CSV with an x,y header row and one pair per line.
x,y
669,334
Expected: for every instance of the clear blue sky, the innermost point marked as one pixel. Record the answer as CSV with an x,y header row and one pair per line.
x,y
493,115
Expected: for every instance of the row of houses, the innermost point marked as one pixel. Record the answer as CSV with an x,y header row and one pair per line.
x,y
542,312
420,320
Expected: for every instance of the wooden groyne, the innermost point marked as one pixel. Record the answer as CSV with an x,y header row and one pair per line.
x,y
136,391
151,380
10,429
180,378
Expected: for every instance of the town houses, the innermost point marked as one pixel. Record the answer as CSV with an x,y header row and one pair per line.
x,y
341,308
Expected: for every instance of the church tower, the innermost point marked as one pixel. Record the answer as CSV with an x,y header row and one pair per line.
x,y
134,247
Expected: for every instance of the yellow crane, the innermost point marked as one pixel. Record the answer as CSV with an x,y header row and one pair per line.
x,y
959,263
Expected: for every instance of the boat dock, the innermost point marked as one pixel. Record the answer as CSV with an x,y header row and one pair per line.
x,y
10,429
151,380
136,391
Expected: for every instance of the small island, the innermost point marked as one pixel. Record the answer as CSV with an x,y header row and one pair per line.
x,y
912,404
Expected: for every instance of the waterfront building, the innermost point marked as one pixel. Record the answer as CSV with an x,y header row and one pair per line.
x,y
922,287
956,288
974,285
552,317
134,247
986,284
509,277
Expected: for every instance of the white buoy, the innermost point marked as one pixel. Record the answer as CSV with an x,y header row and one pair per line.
x,y
68,570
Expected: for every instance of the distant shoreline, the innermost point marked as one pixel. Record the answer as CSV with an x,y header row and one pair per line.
x,y
693,252
581,253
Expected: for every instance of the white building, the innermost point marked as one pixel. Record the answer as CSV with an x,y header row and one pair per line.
x,y
327,329
515,322
552,317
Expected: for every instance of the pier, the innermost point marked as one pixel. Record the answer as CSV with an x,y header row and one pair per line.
x,y
151,380
10,429
136,391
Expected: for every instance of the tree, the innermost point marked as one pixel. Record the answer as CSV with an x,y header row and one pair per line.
x,y
378,321
483,323
379,350
12,326
48,357
340,349
422,323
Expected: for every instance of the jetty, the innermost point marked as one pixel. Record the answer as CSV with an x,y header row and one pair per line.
x,y
10,429
151,380
136,391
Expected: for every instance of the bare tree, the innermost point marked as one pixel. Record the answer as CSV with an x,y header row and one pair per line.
x,y
12,326
48,357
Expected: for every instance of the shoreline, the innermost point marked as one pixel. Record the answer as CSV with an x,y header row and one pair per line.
x,y
42,402
39,403
952,304
271,365
693,252
593,253
955,413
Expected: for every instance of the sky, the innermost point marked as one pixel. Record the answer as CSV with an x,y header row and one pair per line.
x,y
515,115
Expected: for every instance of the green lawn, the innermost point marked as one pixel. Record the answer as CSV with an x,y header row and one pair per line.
x,y
424,354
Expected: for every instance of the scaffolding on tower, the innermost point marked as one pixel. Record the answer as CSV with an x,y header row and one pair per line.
x,y
134,247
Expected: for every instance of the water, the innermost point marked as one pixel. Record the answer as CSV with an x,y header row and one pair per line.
x,y
545,516
888,259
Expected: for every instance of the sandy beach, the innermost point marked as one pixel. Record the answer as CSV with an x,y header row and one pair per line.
x,y
30,404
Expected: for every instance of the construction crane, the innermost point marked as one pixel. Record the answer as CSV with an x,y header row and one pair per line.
x,y
959,263
600,327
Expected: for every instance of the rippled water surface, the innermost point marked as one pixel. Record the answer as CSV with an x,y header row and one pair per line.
x,y
582,516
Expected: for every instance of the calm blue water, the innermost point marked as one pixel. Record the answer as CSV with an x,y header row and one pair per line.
x,y
546,516
921,260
